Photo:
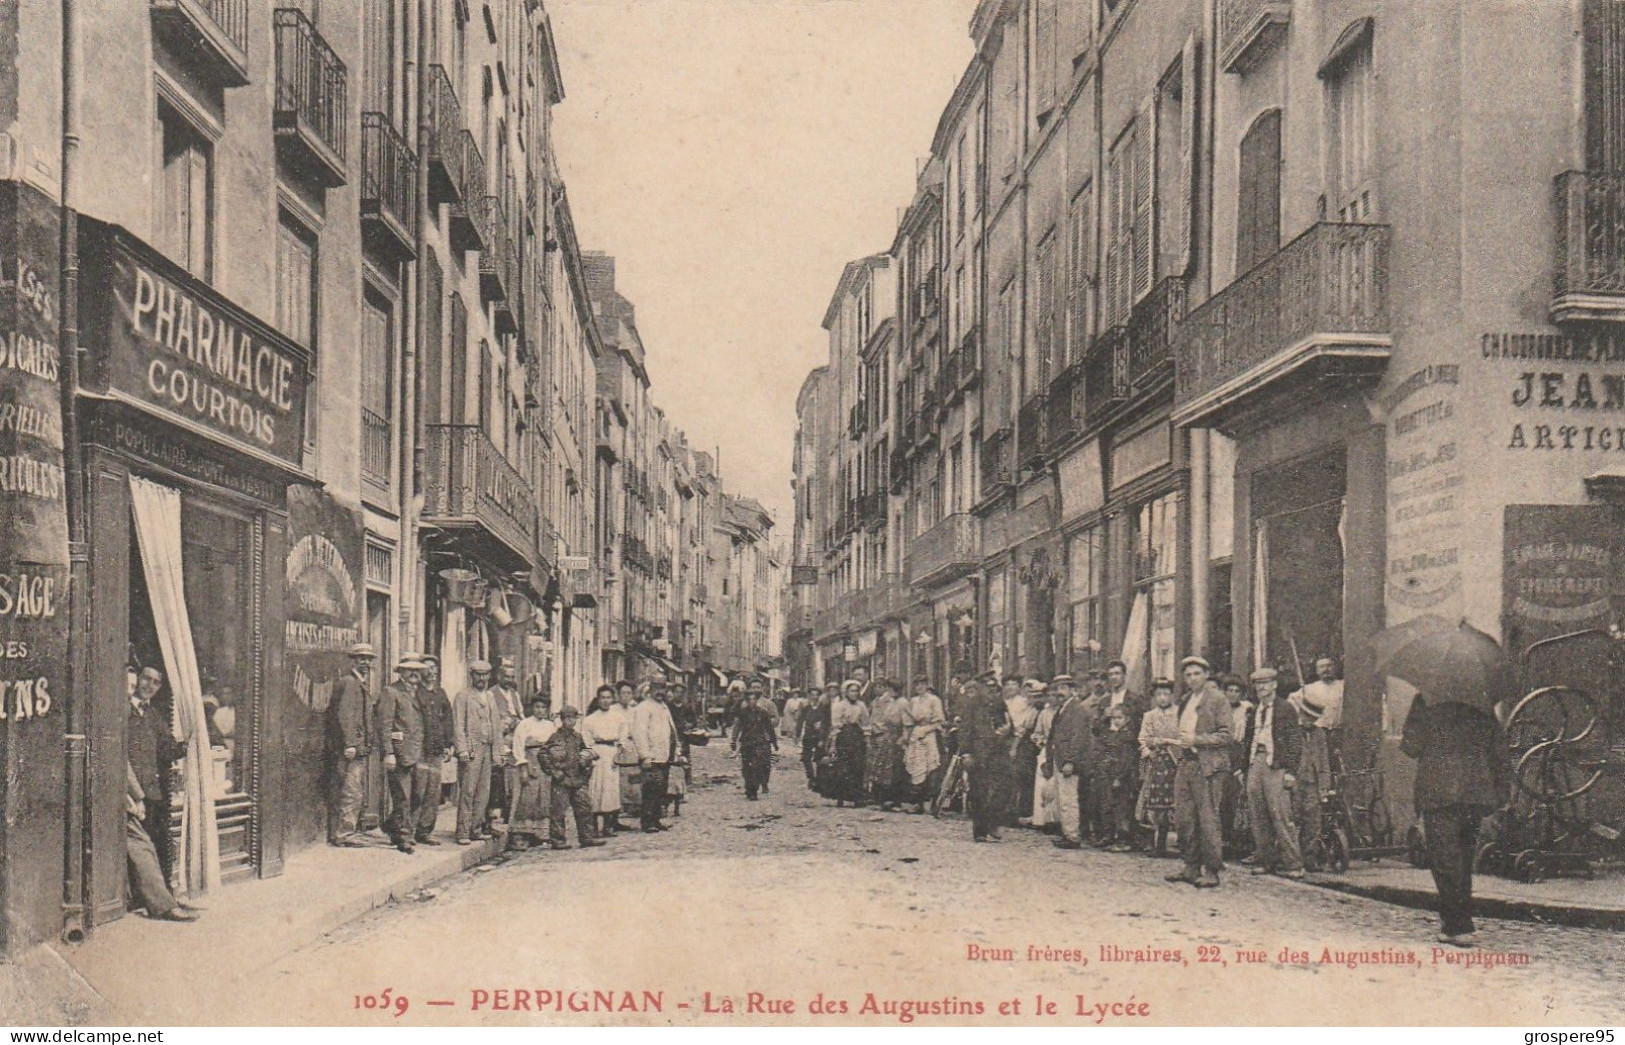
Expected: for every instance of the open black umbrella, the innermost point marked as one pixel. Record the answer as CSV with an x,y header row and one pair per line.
x,y
1447,663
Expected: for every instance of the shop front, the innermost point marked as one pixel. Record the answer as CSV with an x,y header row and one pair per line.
x,y
192,421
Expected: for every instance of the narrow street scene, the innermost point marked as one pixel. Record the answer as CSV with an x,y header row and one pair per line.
x,y
965,512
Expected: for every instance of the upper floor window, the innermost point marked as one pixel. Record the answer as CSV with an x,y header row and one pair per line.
x,y
1081,280
1258,187
1128,202
183,210
377,389
296,280
1348,76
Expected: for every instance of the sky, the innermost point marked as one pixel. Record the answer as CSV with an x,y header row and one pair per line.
x,y
733,155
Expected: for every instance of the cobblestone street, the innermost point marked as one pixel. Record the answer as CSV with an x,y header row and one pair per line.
x,y
796,900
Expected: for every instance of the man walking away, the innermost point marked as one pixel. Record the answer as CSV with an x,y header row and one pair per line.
x,y
1461,777
353,736
567,762
1275,741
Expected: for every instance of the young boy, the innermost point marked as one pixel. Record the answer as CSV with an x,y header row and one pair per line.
x,y
1115,751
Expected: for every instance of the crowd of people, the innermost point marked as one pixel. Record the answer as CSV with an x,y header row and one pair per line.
x,y
1234,769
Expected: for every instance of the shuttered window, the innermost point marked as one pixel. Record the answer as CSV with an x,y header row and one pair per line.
x,y
1348,112
296,281
1080,287
378,30
459,361
1045,318
1130,170
1258,204
182,205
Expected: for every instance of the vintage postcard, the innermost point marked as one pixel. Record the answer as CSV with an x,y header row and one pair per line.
x,y
852,513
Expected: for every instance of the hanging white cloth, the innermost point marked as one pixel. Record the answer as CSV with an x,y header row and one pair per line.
x,y
157,512
1135,639
1261,592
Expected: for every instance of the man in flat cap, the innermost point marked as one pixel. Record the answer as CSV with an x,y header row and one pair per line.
x,y
476,730
567,761
400,719
1204,762
1274,743
505,774
353,733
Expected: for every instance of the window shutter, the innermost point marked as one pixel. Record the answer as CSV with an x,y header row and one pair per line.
x,y
1141,204
1184,246
1115,169
1258,208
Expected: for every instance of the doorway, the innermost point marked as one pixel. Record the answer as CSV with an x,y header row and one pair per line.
x,y
1298,560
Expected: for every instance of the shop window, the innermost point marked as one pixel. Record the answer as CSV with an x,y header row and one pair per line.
x,y
1153,540
1084,560
183,211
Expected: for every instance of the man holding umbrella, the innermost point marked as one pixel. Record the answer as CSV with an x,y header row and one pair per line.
x,y
1460,674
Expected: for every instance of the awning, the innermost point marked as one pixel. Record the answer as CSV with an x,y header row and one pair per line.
x,y
660,662
721,677
868,642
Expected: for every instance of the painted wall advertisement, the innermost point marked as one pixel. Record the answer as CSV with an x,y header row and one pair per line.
x,y
1425,476
34,596
1559,570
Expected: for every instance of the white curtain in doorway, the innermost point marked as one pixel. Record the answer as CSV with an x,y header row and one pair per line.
x,y
157,511
1136,640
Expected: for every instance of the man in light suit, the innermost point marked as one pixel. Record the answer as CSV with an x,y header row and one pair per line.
x,y
476,729
1204,763
353,734
654,738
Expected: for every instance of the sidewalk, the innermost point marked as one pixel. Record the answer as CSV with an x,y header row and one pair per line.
x,y
1597,903
246,927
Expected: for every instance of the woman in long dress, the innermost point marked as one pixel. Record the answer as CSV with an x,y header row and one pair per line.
x,y
923,722
1159,739
848,718
603,731
883,754
530,808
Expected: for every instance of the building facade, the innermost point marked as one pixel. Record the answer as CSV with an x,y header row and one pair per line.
x,y
1228,334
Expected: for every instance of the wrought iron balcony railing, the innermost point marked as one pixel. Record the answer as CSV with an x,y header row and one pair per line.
x,y
497,257
469,485
389,171
1590,272
447,176
1323,296
948,550
214,30
465,230
312,92
376,449
1032,432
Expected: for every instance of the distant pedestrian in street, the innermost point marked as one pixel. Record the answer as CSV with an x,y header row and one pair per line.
x,y
567,761
794,706
354,733
848,717
476,730
533,804
1204,736
606,729
756,741
1275,740
1461,777
923,723
655,743
985,742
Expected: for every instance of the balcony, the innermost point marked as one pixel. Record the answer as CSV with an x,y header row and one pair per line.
x,y
389,171
1248,30
1590,283
215,31
857,419
376,449
465,230
1032,433
446,174
1317,309
312,92
998,471
946,552
471,490
1066,403
1136,358
497,261
899,468
871,508
585,587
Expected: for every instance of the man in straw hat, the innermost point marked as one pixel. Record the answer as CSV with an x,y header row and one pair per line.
x,y
353,734
401,720
476,730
